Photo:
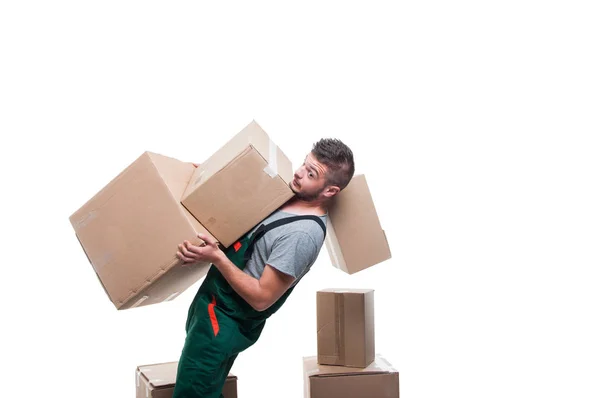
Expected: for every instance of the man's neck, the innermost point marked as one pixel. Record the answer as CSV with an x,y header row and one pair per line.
x,y
300,207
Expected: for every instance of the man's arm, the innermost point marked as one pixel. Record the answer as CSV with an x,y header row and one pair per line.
x,y
259,293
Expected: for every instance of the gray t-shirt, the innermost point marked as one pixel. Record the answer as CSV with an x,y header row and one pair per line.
x,y
291,248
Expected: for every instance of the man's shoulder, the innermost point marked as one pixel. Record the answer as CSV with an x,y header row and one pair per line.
x,y
308,226
312,221
305,227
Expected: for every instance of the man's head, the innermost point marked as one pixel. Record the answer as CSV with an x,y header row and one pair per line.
x,y
327,170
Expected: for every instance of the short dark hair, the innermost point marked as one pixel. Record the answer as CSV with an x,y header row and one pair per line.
x,y
338,158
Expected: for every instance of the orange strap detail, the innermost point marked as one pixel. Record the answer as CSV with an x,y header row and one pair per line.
x,y
213,316
237,245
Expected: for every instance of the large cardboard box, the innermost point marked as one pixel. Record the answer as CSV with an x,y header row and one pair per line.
x,y
239,185
355,240
158,381
346,327
378,380
131,228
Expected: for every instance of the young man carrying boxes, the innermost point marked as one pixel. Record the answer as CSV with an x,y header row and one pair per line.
x,y
253,277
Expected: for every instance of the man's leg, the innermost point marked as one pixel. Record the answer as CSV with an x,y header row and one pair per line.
x,y
228,365
206,356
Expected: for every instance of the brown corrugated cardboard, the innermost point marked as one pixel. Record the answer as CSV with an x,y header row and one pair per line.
x,y
239,185
131,228
355,240
346,327
158,381
378,380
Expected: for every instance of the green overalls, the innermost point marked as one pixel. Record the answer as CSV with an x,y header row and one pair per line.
x,y
221,324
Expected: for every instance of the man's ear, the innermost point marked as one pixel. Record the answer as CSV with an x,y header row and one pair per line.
x,y
331,191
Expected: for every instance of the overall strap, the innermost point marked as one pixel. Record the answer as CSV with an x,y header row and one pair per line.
x,y
262,229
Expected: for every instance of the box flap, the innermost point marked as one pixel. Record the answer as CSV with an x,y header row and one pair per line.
x,y
159,374
333,247
175,173
176,176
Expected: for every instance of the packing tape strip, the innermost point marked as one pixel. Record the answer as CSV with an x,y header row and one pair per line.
x,y
271,168
140,301
340,330
313,372
306,386
171,297
85,219
382,364
199,178
137,381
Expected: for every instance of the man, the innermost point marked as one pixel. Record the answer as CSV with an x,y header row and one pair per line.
x,y
252,278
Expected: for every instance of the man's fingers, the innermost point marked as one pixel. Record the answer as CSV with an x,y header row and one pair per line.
x,y
208,240
185,258
189,250
184,255
193,249
183,250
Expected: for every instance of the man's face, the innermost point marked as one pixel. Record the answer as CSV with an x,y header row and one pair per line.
x,y
309,179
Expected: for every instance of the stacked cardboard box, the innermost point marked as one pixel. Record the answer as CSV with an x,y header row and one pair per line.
x,y
158,381
346,364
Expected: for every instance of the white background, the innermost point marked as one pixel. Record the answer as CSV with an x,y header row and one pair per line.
x,y
475,122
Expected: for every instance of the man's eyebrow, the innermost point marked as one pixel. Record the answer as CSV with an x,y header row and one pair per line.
x,y
313,169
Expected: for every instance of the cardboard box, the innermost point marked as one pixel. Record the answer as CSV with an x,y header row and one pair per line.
x,y
239,185
346,327
158,381
355,240
378,380
131,228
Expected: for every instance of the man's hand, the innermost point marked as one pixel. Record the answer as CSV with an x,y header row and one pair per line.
x,y
259,293
208,252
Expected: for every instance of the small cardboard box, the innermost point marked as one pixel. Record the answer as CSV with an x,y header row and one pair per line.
x,y
345,327
158,381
